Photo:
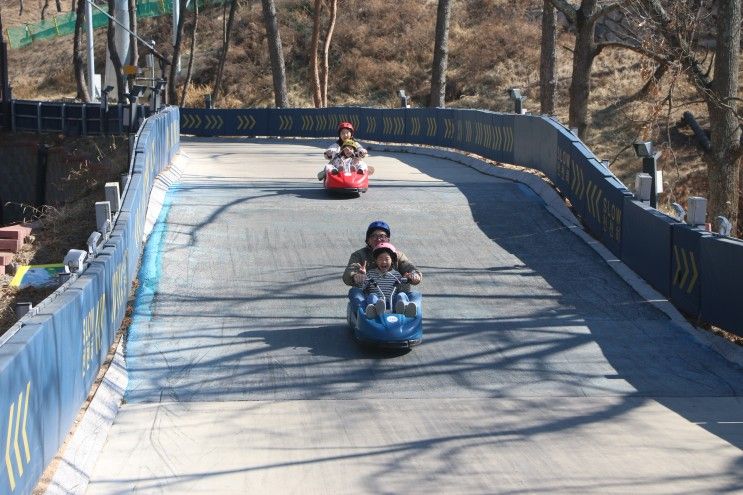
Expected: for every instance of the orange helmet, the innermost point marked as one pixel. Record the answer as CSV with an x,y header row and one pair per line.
x,y
346,125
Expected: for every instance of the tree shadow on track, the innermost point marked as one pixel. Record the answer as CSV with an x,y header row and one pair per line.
x,y
646,349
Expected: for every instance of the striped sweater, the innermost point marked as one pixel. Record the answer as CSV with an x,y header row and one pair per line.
x,y
385,283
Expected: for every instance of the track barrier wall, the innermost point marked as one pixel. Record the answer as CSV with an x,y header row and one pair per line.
x,y
49,360
700,272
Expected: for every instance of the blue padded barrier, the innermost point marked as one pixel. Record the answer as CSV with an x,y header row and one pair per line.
x,y
596,195
722,282
686,266
646,244
49,360
532,129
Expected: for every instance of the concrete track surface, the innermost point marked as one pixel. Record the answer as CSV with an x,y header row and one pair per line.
x,y
541,371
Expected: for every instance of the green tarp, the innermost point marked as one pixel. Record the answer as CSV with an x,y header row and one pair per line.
x,y
64,24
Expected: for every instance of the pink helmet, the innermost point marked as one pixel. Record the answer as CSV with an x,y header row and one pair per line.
x,y
385,246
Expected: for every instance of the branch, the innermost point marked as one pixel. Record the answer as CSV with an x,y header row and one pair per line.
x,y
570,10
607,9
635,48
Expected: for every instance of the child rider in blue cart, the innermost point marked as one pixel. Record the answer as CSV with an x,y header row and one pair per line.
x,y
384,286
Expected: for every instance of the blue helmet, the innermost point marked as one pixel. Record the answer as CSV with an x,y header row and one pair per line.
x,y
377,225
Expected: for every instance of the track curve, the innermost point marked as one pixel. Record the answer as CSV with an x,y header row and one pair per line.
x,y
540,370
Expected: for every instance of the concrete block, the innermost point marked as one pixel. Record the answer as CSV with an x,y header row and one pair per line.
x,y
12,245
15,232
5,258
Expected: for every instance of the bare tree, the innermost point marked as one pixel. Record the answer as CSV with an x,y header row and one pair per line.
x,y
77,56
227,33
547,63
172,96
189,72
59,5
43,9
21,7
583,19
314,55
134,42
4,83
325,69
276,53
676,27
440,55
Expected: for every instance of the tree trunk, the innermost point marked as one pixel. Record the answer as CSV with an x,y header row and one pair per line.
x,y
43,9
325,69
723,169
225,47
172,96
583,54
20,7
189,72
59,5
114,54
134,42
4,83
77,56
276,53
314,49
547,63
440,55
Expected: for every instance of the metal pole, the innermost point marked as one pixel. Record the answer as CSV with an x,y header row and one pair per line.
x,y
91,54
176,15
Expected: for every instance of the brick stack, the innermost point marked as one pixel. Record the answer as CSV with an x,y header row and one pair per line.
x,y
12,238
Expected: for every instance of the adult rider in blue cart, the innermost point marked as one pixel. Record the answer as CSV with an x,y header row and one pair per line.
x,y
361,260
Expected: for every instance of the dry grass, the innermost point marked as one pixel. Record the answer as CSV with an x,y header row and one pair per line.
x,y
59,228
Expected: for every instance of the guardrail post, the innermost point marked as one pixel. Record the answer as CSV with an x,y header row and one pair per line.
x,y
113,196
38,118
103,216
696,213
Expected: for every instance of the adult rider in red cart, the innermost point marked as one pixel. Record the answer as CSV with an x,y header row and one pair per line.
x,y
361,260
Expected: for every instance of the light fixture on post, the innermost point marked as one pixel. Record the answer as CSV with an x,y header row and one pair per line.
x,y
518,100
645,150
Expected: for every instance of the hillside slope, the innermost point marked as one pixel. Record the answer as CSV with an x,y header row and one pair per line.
x,y
377,50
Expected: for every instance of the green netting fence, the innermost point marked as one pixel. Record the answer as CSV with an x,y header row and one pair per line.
x,y
64,24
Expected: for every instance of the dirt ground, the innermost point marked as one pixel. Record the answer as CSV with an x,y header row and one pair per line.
x,y
91,161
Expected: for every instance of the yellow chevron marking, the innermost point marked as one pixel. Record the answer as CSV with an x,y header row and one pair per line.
x,y
25,418
415,126
596,207
16,447
686,268
694,272
8,463
678,265
371,124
